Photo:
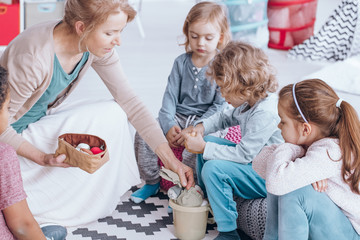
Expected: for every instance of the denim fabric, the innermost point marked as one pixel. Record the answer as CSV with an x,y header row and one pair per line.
x,y
306,214
222,179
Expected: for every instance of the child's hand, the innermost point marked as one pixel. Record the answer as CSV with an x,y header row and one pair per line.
x,y
321,185
173,135
199,129
184,132
195,143
187,130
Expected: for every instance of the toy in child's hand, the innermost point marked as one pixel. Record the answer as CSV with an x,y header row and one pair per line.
x,y
195,143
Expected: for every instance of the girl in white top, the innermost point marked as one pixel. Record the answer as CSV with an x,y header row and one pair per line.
x,y
322,149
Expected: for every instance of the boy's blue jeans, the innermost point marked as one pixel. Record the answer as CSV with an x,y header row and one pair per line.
x,y
222,179
306,214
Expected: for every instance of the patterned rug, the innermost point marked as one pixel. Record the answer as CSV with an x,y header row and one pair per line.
x,y
130,221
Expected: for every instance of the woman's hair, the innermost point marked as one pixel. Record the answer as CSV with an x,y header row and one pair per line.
x,y
319,104
4,86
242,69
210,12
93,13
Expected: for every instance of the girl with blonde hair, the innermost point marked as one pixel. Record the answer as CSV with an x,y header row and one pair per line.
x,y
188,96
322,149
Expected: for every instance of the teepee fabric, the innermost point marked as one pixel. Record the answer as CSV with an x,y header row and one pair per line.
x,y
338,38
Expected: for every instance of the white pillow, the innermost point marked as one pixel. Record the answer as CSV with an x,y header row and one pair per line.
x,y
342,76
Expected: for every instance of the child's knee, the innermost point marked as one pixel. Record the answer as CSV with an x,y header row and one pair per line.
x,y
209,138
299,195
211,169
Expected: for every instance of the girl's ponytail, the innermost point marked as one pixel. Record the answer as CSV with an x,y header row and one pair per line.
x,y
347,128
320,104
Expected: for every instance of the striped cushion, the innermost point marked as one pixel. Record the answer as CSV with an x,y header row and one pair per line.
x,y
338,38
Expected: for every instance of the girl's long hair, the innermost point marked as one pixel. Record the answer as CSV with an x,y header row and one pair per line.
x,y
317,101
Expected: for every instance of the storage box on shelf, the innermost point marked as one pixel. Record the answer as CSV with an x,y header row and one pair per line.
x,y
290,22
248,20
9,22
40,11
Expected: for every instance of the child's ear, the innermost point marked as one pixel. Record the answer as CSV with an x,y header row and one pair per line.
x,y
79,27
306,129
221,39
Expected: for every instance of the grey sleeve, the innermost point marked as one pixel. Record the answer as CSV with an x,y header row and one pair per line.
x,y
259,129
170,99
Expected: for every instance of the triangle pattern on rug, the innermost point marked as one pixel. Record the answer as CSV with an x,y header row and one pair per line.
x,y
337,39
148,220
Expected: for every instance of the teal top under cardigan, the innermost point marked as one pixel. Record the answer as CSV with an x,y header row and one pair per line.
x,y
60,80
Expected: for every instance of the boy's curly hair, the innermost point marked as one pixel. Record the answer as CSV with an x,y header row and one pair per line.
x,y
4,86
242,69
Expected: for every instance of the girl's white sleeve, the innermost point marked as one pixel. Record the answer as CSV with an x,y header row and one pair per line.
x,y
290,168
260,161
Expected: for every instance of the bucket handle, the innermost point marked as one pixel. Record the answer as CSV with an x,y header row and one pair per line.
x,y
3,10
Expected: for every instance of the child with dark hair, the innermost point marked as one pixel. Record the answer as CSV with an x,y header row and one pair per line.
x,y
16,220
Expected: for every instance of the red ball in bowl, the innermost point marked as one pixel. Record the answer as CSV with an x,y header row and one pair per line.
x,y
96,150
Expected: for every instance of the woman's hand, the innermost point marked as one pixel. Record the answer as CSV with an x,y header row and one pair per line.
x,y
52,161
173,135
195,143
185,173
30,152
321,185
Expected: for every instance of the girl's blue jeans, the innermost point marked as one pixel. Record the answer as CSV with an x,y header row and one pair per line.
x,y
306,214
222,179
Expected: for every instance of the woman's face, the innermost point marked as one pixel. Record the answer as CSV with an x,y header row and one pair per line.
x,y
4,114
107,35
